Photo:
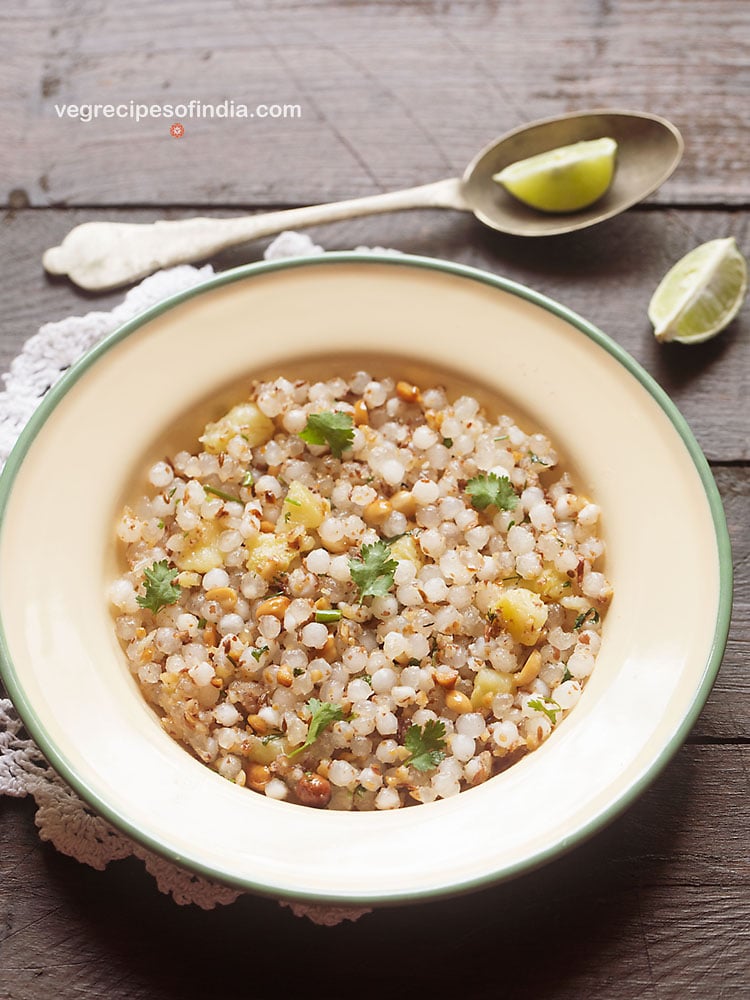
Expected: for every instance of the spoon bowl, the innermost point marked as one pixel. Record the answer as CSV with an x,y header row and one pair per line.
x,y
649,149
103,255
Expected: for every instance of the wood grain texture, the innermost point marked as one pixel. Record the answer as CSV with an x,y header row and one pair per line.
x,y
392,94
606,274
656,905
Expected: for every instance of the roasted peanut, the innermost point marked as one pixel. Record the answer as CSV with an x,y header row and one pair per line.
x,y
407,392
446,677
313,790
377,512
226,596
456,701
404,503
530,670
328,652
257,724
273,606
361,414
284,676
258,776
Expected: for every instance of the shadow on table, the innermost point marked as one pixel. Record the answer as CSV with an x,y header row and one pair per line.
x,y
556,931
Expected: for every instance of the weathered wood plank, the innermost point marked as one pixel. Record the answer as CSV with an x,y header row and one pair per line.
x,y
657,905
726,714
391,94
606,274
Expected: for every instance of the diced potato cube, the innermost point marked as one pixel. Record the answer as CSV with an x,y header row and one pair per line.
x,y
550,583
269,554
201,551
265,753
523,613
244,419
487,684
303,508
406,548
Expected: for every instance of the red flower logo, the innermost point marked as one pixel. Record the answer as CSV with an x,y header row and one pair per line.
x,y
177,130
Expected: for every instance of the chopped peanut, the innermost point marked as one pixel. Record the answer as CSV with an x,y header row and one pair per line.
x,y
226,596
377,512
530,670
407,392
404,503
456,701
274,606
361,414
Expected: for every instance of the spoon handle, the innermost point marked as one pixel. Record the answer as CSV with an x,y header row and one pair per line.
x,y
102,255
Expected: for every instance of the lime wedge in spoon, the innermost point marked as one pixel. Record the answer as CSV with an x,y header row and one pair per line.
x,y
701,294
565,179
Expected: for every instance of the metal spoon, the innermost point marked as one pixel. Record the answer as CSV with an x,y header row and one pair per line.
x,y
102,255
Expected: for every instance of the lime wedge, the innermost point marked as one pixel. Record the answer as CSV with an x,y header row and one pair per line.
x,y
701,294
565,179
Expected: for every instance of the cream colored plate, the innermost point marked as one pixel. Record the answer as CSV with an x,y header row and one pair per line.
x,y
154,383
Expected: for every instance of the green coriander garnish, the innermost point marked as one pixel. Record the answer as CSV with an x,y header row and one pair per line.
x,y
426,745
373,571
160,590
334,429
248,479
592,614
536,458
221,494
324,713
202,623
257,653
491,491
448,442
550,708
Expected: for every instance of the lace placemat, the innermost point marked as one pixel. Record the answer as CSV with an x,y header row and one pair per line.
x,y
62,818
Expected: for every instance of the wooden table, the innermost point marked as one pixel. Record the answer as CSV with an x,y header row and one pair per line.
x,y
395,94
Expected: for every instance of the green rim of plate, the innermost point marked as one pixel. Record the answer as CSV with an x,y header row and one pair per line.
x,y
585,830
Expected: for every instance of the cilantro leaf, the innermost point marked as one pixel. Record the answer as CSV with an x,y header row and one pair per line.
x,y
491,490
334,429
426,745
581,620
323,714
550,708
373,571
160,590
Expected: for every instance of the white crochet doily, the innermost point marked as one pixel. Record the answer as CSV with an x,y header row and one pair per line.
x,y
62,817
